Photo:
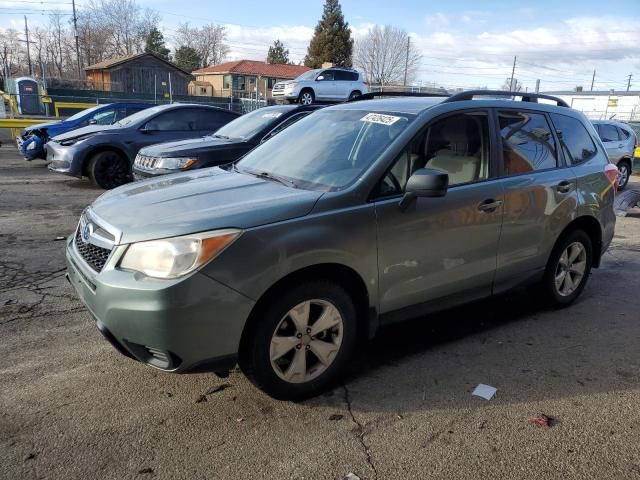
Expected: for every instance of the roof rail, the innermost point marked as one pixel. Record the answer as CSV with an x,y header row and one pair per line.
x,y
372,95
526,97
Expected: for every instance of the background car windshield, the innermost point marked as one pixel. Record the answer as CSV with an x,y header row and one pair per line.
x,y
327,150
139,116
82,113
248,125
310,75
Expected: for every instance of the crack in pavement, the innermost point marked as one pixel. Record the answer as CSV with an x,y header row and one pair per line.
x,y
360,433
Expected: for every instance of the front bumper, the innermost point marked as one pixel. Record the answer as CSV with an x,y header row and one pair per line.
x,y
66,160
286,94
182,325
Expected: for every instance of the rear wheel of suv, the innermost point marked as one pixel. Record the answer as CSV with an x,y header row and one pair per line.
x,y
306,97
624,171
301,342
354,94
568,268
109,170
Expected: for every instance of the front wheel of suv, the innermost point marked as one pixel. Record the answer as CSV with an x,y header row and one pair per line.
x,y
108,170
306,97
301,342
568,268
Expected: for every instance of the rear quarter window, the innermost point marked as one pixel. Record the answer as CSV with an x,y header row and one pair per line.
x,y
575,140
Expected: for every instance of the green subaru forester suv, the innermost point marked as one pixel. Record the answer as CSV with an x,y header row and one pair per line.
x,y
360,214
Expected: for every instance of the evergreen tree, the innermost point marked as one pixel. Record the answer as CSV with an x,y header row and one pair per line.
x,y
331,40
277,53
154,43
187,58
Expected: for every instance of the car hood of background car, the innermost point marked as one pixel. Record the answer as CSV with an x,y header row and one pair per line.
x,y
186,147
40,126
87,131
203,200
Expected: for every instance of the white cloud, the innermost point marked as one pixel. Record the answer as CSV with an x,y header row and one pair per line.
x,y
437,20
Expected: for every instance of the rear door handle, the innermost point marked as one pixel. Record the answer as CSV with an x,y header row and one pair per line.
x,y
489,205
564,186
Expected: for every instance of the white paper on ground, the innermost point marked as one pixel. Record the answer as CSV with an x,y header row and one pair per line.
x,y
485,391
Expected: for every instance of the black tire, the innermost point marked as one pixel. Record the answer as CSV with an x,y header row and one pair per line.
x,y
554,269
354,94
306,97
109,170
624,168
255,354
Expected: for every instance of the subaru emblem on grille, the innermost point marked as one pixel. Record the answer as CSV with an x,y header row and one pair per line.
x,y
86,232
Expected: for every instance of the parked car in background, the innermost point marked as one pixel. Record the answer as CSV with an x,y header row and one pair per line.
x,y
105,154
360,214
31,142
323,84
229,143
621,141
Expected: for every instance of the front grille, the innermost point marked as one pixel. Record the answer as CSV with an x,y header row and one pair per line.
x,y
148,163
278,88
95,256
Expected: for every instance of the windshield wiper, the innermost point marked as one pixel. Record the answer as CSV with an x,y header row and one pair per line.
x,y
221,136
271,176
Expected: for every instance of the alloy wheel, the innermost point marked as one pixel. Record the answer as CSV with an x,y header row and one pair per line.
x,y
570,269
306,341
306,98
623,175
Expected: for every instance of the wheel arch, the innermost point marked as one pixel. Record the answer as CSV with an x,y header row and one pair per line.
x,y
99,149
341,274
591,226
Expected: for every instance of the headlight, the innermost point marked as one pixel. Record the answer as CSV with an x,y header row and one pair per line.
x,y
178,256
290,85
72,141
174,163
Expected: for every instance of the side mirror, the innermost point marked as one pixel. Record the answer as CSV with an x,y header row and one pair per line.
x,y
320,78
425,182
93,121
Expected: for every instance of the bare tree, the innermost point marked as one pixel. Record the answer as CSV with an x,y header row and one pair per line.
x,y
12,53
384,53
512,85
209,41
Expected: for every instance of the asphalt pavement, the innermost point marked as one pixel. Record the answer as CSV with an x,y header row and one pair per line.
x,y
71,407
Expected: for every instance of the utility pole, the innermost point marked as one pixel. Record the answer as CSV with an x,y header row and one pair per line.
x,y
513,71
593,79
75,34
26,32
406,62
629,81
538,85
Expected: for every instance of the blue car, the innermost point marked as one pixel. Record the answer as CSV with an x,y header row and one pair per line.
x,y
31,142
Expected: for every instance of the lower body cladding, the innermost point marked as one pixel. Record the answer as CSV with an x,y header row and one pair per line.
x,y
183,325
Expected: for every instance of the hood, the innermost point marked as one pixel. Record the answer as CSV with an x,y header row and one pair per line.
x,y
186,147
285,82
43,125
86,131
198,201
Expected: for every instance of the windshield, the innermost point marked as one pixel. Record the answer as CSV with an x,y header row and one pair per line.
x,y
310,75
327,150
82,113
246,126
138,116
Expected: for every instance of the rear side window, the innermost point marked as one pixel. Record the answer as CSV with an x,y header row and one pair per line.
x,y
623,133
608,133
575,141
173,121
211,120
346,76
527,142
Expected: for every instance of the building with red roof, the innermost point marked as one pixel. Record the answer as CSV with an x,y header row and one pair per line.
x,y
242,78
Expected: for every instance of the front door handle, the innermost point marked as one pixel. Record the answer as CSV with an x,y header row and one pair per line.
x,y
564,186
489,205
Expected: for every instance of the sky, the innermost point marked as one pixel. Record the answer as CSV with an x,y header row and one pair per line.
x,y
464,43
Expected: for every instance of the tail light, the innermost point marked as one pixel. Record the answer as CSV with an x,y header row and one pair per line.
x,y
611,171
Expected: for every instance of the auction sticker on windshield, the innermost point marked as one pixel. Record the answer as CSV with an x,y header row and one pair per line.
x,y
272,115
380,118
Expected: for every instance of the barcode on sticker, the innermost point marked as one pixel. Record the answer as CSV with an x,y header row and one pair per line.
x,y
380,118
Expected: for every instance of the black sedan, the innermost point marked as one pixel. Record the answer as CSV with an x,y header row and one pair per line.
x,y
105,153
226,145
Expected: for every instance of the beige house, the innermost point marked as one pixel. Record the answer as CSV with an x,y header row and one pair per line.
x,y
242,78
